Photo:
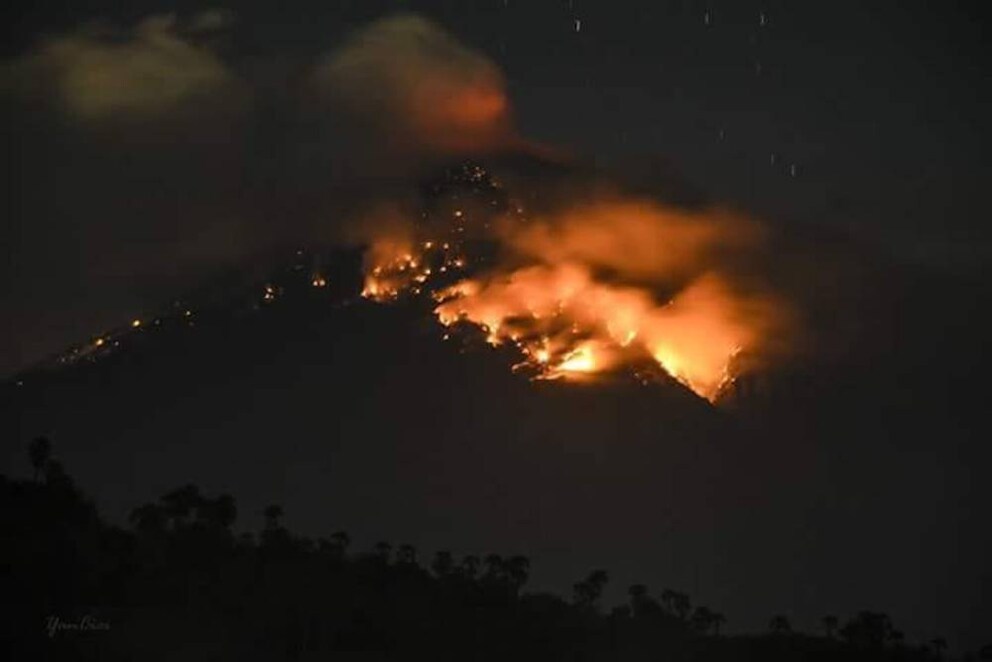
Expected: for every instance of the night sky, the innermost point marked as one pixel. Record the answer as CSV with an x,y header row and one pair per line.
x,y
858,135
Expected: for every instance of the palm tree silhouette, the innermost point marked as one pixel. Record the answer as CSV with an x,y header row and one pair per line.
x,y
588,591
682,606
780,625
868,629
516,570
676,603
148,518
407,555
218,513
179,504
638,598
494,567
829,625
443,563
470,566
40,452
56,476
702,619
273,514
340,540
668,600
382,551
718,620
180,555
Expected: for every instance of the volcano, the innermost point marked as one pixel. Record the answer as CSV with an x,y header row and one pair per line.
x,y
280,383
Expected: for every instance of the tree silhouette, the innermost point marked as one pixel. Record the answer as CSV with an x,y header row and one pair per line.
x,y
40,451
516,570
382,551
150,517
668,600
829,625
637,592
620,612
57,478
283,596
273,514
682,606
494,566
640,603
219,513
867,630
340,541
443,564
939,646
588,591
780,625
718,621
407,555
179,504
675,603
470,566
702,620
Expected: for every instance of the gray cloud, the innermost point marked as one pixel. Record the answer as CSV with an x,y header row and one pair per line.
x,y
98,73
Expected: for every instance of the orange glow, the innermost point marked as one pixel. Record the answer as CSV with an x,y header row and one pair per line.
x,y
600,288
543,310
395,265
456,115
579,359
420,87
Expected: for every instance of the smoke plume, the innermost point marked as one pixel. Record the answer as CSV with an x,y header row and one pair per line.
x,y
411,84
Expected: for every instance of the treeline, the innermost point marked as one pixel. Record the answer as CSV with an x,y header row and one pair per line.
x,y
179,583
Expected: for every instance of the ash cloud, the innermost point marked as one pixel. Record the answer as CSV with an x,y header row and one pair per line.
x,y
636,238
150,71
412,87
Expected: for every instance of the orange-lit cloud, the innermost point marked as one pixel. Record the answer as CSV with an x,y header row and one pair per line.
x,y
418,87
638,238
599,287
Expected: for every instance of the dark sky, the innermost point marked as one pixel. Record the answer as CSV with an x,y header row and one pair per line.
x,y
826,119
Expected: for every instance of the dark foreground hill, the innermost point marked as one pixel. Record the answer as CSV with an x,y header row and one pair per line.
x,y
178,583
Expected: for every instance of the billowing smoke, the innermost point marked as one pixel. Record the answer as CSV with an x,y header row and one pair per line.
x,y
152,71
601,287
635,238
411,84
596,285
